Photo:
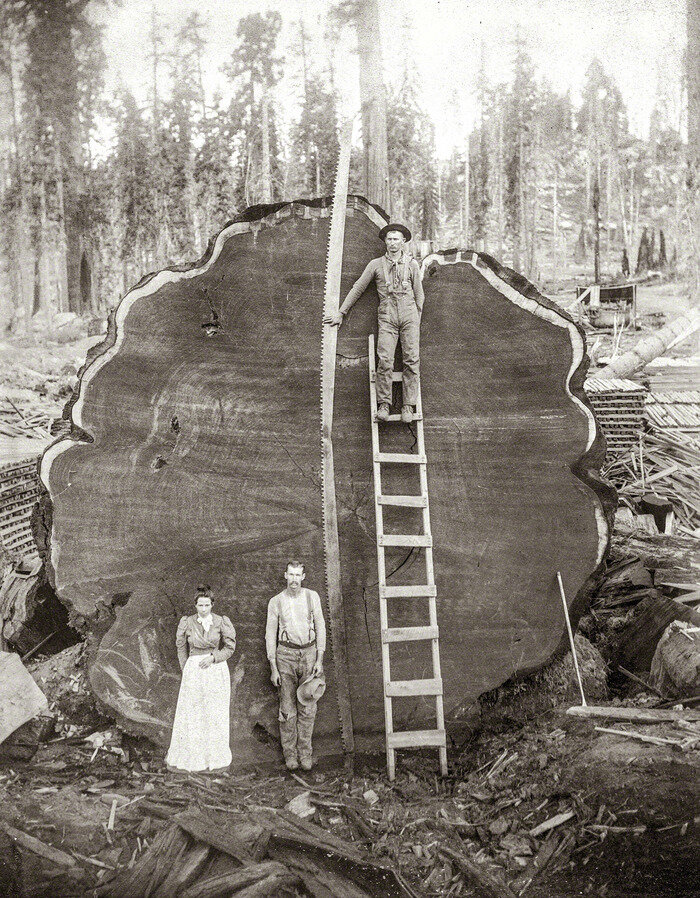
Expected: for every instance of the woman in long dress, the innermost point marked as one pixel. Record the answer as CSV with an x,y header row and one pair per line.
x,y
205,642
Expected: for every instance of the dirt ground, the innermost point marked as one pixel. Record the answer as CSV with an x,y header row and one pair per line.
x,y
631,828
629,810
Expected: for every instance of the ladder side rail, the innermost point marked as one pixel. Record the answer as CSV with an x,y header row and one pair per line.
x,y
381,566
430,577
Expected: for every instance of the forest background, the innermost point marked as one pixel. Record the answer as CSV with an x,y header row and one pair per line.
x,y
101,184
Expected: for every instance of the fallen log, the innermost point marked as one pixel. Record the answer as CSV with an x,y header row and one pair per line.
x,y
634,715
486,884
675,667
649,348
637,641
194,457
224,884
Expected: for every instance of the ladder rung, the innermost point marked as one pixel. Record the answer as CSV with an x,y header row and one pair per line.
x,y
409,634
397,376
405,501
411,738
400,688
397,417
408,592
405,539
399,458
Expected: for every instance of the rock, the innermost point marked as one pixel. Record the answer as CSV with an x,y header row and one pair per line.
x,y
301,806
110,797
370,796
675,667
20,697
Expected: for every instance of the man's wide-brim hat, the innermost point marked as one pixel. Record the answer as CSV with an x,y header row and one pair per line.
x,y
311,689
402,229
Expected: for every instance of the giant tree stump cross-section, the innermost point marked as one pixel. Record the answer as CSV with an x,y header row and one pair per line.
x,y
194,457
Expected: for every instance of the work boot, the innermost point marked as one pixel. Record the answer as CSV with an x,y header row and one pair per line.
x,y
291,764
306,763
383,412
407,414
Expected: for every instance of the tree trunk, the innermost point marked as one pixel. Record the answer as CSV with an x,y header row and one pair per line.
x,y
373,101
693,57
465,231
266,177
188,512
8,283
596,231
66,302
649,348
42,282
623,215
555,221
23,250
608,203
499,169
519,224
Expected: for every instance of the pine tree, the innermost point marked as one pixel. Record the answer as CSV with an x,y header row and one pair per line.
x,y
254,70
59,82
411,148
315,138
519,142
602,121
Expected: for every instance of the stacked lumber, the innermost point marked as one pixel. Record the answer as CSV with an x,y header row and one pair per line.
x,y
619,408
675,409
19,492
29,419
667,463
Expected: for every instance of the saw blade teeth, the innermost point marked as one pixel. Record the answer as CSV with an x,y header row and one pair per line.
x,y
327,381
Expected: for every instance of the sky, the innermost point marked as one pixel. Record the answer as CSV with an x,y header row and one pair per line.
x,y
639,42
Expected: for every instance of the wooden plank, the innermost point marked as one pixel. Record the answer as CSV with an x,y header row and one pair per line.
x,y
399,458
408,592
36,846
409,634
404,501
636,715
395,418
416,540
417,738
399,688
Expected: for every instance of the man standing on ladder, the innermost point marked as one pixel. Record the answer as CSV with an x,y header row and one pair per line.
x,y
400,290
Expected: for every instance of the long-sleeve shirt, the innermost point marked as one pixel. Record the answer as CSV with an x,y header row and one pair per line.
x,y
288,620
375,271
191,639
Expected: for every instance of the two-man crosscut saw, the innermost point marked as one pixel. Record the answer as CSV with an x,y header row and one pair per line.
x,y
331,300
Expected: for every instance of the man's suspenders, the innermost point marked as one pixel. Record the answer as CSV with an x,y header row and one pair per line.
x,y
311,625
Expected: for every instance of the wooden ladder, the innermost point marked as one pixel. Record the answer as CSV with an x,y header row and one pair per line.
x,y
435,738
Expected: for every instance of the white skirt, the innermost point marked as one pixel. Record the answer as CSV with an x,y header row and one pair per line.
x,y
200,739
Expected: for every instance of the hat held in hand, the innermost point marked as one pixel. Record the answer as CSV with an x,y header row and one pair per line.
x,y
311,689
